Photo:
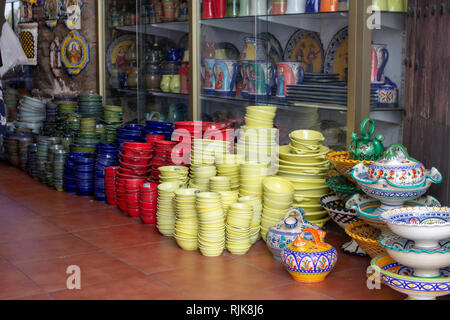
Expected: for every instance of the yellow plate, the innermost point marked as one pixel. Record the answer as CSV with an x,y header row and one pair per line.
x,y
285,154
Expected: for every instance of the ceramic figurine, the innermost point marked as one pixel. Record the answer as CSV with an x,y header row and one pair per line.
x,y
286,231
366,147
75,53
309,261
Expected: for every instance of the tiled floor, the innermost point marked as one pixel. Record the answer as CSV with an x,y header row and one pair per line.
x,y
43,232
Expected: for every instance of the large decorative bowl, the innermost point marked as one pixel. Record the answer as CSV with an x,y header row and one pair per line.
x,y
368,208
342,187
366,236
395,179
398,277
343,163
426,263
342,217
424,225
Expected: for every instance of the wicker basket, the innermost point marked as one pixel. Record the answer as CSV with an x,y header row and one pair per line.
x,y
342,162
366,236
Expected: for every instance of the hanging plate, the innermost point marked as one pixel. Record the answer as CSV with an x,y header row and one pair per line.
x,y
75,54
305,46
53,10
117,50
336,59
273,47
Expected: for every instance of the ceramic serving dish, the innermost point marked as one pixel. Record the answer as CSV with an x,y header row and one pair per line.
x,y
424,225
399,278
426,263
309,261
342,187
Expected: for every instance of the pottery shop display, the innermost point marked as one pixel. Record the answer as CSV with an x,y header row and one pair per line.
x,y
309,260
75,53
366,147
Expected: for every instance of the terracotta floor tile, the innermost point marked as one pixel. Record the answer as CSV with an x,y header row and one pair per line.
x,y
266,262
95,268
257,248
88,220
122,236
39,297
219,279
161,256
135,288
50,206
27,228
14,210
45,248
292,291
14,284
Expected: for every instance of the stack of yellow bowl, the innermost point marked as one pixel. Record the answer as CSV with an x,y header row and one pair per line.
x,y
303,162
252,175
200,175
278,198
211,224
174,174
165,216
228,166
228,198
186,224
204,151
217,184
238,228
255,227
260,116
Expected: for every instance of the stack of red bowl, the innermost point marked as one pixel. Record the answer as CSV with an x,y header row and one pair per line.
x,y
132,187
120,193
148,202
162,156
151,138
110,185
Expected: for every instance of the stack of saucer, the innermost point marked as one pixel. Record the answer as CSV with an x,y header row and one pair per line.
x,y
251,178
166,212
228,165
129,133
186,222
174,173
228,198
256,203
217,184
278,198
211,224
200,175
148,202
238,228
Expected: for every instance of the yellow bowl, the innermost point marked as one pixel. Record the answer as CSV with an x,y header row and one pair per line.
x,y
311,192
251,122
306,183
305,164
277,185
285,154
304,147
270,109
169,186
279,205
260,115
187,193
208,196
282,197
173,169
300,175
307,136
273,211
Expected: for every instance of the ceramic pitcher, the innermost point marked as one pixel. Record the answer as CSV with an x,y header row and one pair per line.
x,y
296,6
220,8
165,82
175,83
232,8
258,7
380,57
225,72
244,8
328,5
209,79
288,73
261,78
279,7
254,49
312,6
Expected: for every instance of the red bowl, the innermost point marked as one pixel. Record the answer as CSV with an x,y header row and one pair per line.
x,y
150,138
164,144
149,221
128,176
134,166
135,160
137,145
192,126
134,172
133,213
149,186
148,212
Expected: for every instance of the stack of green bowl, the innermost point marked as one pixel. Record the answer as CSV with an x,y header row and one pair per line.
x,y
112,119
65,119
90,105
87,138
42,157
59,155
50,163
72,125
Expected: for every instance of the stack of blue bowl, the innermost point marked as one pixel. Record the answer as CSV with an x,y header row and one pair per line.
x,y
84,174
130,133
106,157
69,173
161,128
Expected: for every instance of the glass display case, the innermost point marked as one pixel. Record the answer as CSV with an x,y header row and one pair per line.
x,y
146,58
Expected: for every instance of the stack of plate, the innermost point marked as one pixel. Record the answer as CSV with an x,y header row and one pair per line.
x,y
278,198
166,213
217,184
69,173
186,222
256,203
159,128
84,174
211,224
228,198
24,142
31,114
260,116
11,97
200,175
304,164
112,119
85,142
132,196
228,165
205,151
174,173
106,157
251,179
129,133
90,105
68,122
110,185
32,160
239,219
51,114
162,157
135,160
59,155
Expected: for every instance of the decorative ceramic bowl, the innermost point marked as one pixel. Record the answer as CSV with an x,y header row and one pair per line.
x,y
366,236
342,187
398,277
425,225
286,231
426,263
309,261
343,163
342,217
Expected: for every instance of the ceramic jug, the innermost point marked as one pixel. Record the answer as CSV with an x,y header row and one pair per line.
x,y
312,6
225,72
254,49
296,6
279,7
132,80
288,73
381,5
175,83
153,80
244,76
380,57
169,10
366,147
328,5
208,9
261,78
232,8
175,54
165,82
220,8
258,7
244,8
208,77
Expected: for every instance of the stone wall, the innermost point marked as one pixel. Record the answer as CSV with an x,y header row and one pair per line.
x,y
45,83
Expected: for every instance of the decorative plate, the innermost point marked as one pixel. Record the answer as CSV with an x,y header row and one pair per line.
x,y
118,48
230,49
305,46
75,53
274,47
336,58
52,12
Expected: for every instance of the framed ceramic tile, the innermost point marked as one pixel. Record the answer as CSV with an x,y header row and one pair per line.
x,y
28,33
75,53
53,10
